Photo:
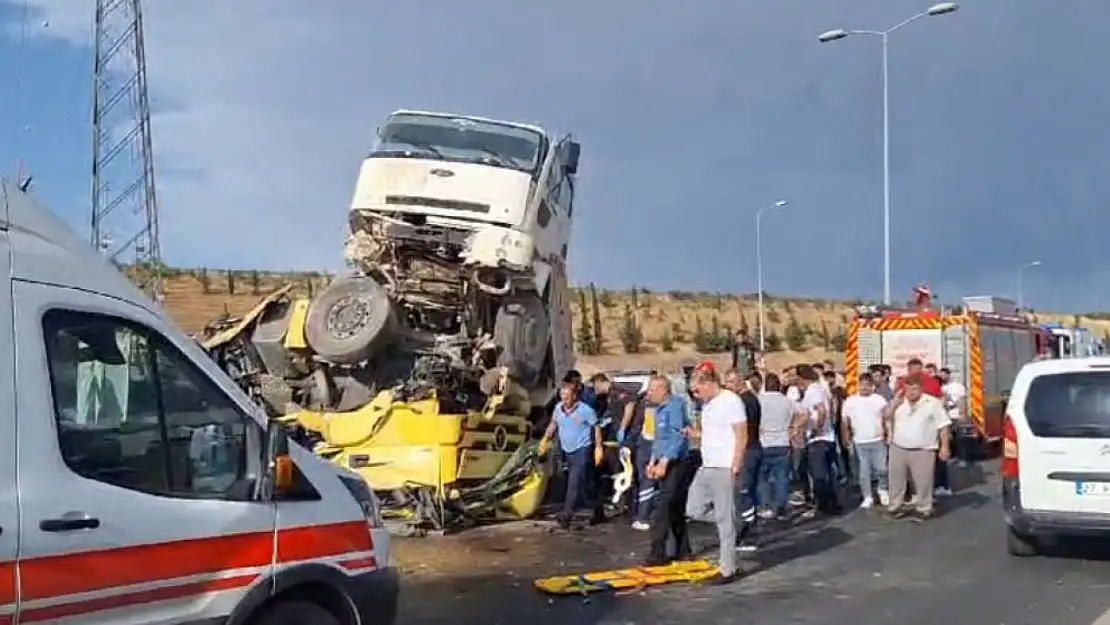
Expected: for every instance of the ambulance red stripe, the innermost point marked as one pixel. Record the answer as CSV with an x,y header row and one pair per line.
x,y
90,571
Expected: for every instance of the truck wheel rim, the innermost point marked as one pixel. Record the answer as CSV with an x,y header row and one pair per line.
x,y
347,317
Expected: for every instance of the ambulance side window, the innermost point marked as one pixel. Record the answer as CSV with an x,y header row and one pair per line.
x,y
134,412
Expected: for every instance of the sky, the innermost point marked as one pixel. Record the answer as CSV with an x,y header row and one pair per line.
x,y
692,116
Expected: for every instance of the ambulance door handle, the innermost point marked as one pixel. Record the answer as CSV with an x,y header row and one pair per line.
x,y
69,522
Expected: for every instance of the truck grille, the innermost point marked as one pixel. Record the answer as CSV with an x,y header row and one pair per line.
x,y
414,200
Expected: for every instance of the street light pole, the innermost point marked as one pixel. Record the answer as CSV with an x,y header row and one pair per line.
x,y
886,170
1021,283
759,269
835,35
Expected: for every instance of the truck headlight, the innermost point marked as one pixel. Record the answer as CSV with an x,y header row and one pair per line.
x,y
365,498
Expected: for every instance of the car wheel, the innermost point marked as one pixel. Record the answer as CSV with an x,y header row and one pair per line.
x,y
1019,544
296,613
348,320
522,331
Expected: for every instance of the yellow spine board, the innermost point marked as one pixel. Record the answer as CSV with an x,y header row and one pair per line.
x,y
627,579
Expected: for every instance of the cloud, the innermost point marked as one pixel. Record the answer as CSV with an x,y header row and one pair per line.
x,y
690,121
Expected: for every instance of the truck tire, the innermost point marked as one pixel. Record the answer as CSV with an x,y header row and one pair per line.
x,y
522,331
349,320
295,613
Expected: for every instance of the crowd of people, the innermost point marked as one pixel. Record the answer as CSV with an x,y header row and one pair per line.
x,y
739,450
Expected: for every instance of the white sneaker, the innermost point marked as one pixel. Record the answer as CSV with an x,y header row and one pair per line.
x,y
884,497
942,492
640,526
867,502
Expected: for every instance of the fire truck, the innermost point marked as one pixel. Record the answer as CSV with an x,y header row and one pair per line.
x,y
983,343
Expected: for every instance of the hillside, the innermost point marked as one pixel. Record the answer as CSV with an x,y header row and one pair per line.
x,y
798,330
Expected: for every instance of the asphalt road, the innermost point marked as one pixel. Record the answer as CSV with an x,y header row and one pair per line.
x,y
856,569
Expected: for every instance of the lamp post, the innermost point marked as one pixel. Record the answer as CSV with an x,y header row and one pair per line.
x,y
1021,282
943,8
759,268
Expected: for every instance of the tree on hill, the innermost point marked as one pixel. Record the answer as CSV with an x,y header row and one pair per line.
x,y
824,336
773,341
606,298
744,329
839,341
774,317
666,341
205,280
599,340
676,332
796,336
632,338
635,298
586,343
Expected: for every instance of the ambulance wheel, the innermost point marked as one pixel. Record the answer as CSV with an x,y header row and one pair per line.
x,y
349,319
523,332
296,613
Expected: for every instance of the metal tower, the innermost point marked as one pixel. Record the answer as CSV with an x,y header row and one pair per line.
x,y
124,204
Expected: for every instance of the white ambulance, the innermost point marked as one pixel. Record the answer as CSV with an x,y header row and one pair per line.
x,y
138,484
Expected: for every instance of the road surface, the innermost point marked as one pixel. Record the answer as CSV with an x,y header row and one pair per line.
x,y
857,569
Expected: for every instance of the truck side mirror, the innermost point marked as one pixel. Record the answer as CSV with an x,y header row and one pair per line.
x,y
574,149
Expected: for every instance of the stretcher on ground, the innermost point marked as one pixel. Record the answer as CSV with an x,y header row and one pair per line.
x,y
627,579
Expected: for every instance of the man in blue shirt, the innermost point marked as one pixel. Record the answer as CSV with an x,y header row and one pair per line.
x,y
672,469
580,440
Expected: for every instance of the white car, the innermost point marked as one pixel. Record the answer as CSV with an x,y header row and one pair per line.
x,y
1056,453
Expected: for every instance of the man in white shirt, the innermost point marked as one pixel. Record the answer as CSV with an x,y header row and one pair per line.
x,y
918,427
864,429
821,439
955,401
723,432
799,463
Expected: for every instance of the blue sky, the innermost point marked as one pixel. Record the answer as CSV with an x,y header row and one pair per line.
x,y
690,118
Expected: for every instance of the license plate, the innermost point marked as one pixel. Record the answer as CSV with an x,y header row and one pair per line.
x,y
1092,489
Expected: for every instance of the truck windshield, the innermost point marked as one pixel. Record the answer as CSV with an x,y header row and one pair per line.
x,y
459,139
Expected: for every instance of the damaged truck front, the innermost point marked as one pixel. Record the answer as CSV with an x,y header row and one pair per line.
x,y
426,367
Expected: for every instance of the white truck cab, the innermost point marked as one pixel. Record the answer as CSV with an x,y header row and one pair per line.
x,y
510,185
139,485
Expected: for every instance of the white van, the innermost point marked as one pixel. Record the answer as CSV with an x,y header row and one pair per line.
x,y
1056,453
138,484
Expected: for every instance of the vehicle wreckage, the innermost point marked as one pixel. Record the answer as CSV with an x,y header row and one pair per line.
x,y
426,366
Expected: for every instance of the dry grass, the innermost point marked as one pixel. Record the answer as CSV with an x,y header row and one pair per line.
x,y
196,297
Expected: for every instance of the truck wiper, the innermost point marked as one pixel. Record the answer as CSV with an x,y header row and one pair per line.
x,y
495,157
423,146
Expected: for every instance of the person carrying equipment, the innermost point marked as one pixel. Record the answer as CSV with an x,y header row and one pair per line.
x,y
580,440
